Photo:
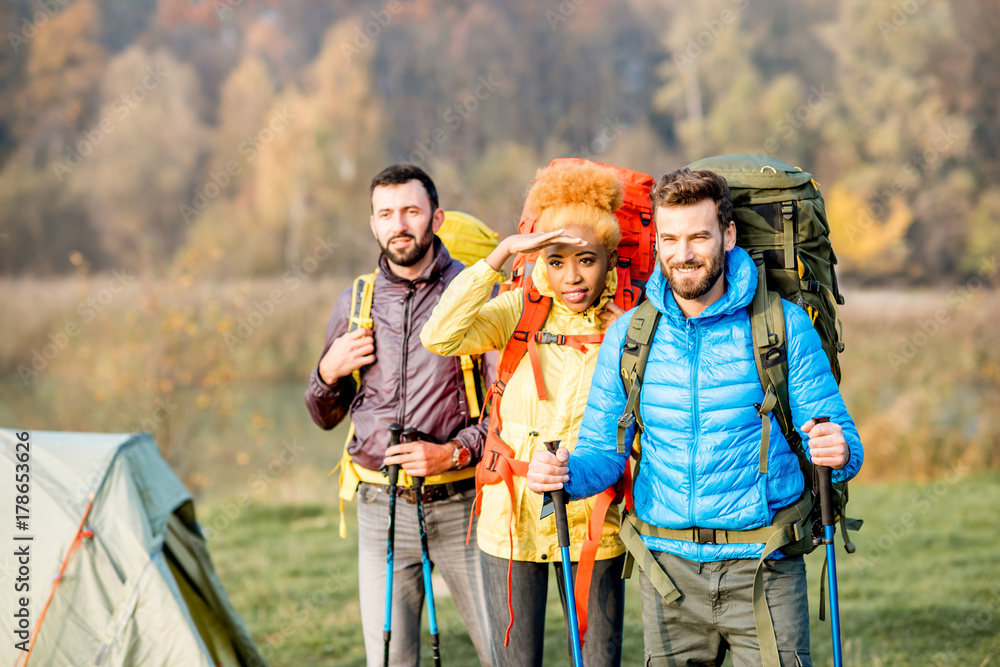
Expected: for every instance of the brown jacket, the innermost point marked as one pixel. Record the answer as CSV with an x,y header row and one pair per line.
x,y
407,384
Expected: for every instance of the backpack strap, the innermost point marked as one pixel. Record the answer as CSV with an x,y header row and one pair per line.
x,y
362,296
469,378
534,312
635,354
767,325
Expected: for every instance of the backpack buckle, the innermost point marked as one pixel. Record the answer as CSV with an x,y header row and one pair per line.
x,y
494,456
548,338
626,420
705,536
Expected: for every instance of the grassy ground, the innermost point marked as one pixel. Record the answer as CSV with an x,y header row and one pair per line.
x,y
923,588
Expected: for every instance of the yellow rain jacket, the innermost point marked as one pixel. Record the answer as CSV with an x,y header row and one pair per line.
x,y
466,321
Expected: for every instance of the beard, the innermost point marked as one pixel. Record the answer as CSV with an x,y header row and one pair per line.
x,y
694,288
411,255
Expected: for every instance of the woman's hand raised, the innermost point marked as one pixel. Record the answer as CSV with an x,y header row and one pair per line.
x,y
527,244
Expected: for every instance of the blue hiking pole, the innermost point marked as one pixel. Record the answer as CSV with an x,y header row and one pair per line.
x,y
393,472
825,483
562,529
418,489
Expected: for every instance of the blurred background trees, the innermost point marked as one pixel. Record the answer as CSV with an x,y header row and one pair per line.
x,y
269,118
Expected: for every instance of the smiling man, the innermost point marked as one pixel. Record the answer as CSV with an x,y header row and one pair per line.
x,y
702,496
400,381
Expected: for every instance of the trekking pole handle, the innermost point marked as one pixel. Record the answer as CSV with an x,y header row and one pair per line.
x,y
825,483
559,504
409,435
395,430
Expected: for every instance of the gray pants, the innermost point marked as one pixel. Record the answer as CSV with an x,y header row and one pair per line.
x,y
446,521
529,587
715,613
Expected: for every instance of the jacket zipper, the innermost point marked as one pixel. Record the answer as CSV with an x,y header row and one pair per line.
x,y
406,347
695,417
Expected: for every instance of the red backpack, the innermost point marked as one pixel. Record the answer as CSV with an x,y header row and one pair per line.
x,y
636,261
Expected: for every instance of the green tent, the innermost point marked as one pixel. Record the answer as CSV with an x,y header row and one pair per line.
x,y
138,587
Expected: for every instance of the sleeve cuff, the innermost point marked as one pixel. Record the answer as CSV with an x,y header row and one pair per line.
x,y
473,438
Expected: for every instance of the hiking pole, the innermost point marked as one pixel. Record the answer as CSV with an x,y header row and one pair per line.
x,y
562,529
409,435
825,483
393,472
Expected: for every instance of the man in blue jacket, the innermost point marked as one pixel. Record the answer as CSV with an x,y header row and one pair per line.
x,y
702,439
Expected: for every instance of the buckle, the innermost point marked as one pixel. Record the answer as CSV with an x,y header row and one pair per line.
x,y
548,338
494,456
626,420
407,493
705,536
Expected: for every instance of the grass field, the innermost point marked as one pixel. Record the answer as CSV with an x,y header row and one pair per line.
x,y
922,589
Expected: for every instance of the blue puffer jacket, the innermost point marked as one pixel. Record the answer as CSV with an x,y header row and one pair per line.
x,y
701,446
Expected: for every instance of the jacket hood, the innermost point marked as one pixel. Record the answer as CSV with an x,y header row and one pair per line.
x,y
540,276
442,260
741,284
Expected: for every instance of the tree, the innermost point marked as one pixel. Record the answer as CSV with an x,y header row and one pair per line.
x,y
891,138
139,177
64,65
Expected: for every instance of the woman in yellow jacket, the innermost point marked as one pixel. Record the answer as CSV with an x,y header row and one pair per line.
x,y
575,205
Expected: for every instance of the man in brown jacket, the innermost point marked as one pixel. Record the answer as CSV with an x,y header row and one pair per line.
x,y
402,382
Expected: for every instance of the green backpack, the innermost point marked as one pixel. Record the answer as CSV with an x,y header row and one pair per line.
x,y
781,222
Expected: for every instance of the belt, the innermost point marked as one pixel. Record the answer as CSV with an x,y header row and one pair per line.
x,y
430,493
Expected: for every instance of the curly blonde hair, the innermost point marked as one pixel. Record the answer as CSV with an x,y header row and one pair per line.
x,y
578,193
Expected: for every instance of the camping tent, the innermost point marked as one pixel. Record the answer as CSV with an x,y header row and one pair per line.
x,y
137,585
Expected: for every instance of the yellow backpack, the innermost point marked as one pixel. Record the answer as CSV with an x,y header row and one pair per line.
x,y
468,240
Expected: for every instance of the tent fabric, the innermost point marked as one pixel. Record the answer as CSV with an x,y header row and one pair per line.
x,y
140,591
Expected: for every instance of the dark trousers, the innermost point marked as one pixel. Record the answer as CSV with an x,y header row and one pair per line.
x,y
529,583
